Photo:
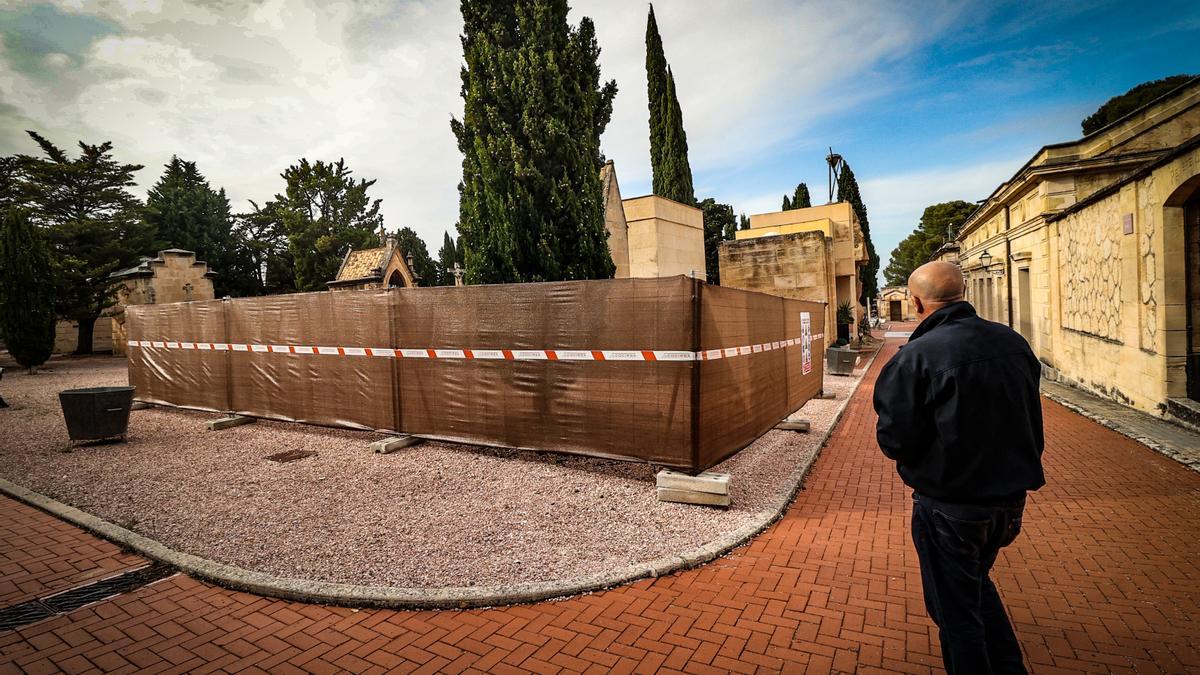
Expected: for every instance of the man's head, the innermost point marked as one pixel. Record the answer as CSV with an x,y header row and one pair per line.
x,y
935,285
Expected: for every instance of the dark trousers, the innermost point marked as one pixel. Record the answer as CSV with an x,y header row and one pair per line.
x,y
957,545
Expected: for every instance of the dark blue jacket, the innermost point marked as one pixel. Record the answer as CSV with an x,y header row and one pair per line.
x,y
959,410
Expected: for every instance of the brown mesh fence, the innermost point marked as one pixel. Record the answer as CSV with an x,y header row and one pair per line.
x,y
669,371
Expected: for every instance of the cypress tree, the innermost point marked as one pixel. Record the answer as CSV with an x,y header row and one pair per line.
x,y
530,197
656,91
677,181
743,222
801,200
27,316
447,256
668,140
719,224
787,204
848,192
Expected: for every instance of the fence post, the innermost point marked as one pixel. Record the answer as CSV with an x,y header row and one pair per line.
x,y
225,302
397,411
697,289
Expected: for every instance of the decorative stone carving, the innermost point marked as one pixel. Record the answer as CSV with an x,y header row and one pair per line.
x,y
1092,291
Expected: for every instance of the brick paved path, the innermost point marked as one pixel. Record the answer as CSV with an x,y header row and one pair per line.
x,y
1105,578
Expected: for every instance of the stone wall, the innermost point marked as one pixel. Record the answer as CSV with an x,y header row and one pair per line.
x,y
1091,298
798,266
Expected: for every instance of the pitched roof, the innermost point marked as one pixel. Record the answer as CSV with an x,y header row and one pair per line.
x,y
360,264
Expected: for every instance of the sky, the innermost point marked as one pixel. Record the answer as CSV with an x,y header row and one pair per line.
x,y
927,101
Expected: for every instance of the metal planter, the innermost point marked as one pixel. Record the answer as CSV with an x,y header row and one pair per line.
x,y
94,413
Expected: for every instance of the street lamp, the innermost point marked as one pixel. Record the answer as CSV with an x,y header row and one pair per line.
x,y
985,259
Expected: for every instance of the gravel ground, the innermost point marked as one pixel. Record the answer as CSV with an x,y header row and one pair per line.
x,y
434,515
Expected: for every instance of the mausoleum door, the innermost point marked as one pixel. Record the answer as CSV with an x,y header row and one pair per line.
x,y
1191,222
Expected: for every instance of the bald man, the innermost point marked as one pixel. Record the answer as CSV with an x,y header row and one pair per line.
x,y
960,414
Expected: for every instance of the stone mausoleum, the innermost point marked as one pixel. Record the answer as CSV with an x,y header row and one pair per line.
x,y
384,266
651,236
1092,252
895,304
812,254
173,276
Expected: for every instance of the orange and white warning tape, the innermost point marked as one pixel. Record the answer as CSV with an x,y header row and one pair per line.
x,y
493,354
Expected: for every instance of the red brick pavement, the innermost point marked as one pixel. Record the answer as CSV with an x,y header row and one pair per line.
x,y
1104,579
40,555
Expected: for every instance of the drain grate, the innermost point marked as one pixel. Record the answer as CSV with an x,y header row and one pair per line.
x,y
291,456
29,612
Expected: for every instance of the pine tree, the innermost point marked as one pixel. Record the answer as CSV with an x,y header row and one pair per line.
x,y
325,212
801,199
530,198
668,140
411,244
262,250
447,256
939,224
719,224
93,225
189,214
848,192
27,316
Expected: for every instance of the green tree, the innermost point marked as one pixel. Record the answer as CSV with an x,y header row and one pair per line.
x,y
93,225
939,223
787,204
27,316
263,253
668,141
801,199
656,90
743,222
325,212
187,213
719,223
1119,106
530,206
868,276
447,257
411,244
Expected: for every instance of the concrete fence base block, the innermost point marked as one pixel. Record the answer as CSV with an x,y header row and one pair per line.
x,y
825,396
227,422
390,445
794,425
709,482
692,497
139,405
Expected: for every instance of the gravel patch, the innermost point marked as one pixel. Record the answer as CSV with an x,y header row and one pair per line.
x,y
430,516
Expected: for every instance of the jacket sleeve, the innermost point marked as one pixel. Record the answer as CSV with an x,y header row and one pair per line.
x,y
905,424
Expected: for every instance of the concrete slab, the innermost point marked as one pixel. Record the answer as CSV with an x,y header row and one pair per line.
x,y
139,405
390,445
709,482
825,396
692,497
794,425
227,422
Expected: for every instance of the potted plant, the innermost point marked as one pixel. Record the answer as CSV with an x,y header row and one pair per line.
x,y
845,317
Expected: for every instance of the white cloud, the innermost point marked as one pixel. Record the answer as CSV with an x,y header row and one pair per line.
x,y
245,89
895,202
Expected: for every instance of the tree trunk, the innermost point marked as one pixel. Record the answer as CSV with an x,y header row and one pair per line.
x,y
87,327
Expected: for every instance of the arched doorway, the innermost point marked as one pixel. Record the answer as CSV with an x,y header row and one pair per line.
x,y
395,281
1183,207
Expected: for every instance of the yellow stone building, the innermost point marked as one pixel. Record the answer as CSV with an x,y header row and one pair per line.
x,y
174,276
811,254
1092,252
651,236
895,304
384,266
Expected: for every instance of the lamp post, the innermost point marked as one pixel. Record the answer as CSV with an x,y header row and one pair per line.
x,y
985,259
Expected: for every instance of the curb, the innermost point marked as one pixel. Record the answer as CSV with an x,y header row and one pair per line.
x,y
1164,450
458,597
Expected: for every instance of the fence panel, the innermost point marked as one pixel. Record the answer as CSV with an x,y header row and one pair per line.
x,y
190,373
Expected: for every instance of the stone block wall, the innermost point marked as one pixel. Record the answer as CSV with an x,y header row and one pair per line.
x,y
798,266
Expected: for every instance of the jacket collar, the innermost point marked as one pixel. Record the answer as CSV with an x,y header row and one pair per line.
x,y
952,312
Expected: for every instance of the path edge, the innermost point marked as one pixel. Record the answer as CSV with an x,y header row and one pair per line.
x,y
356,595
